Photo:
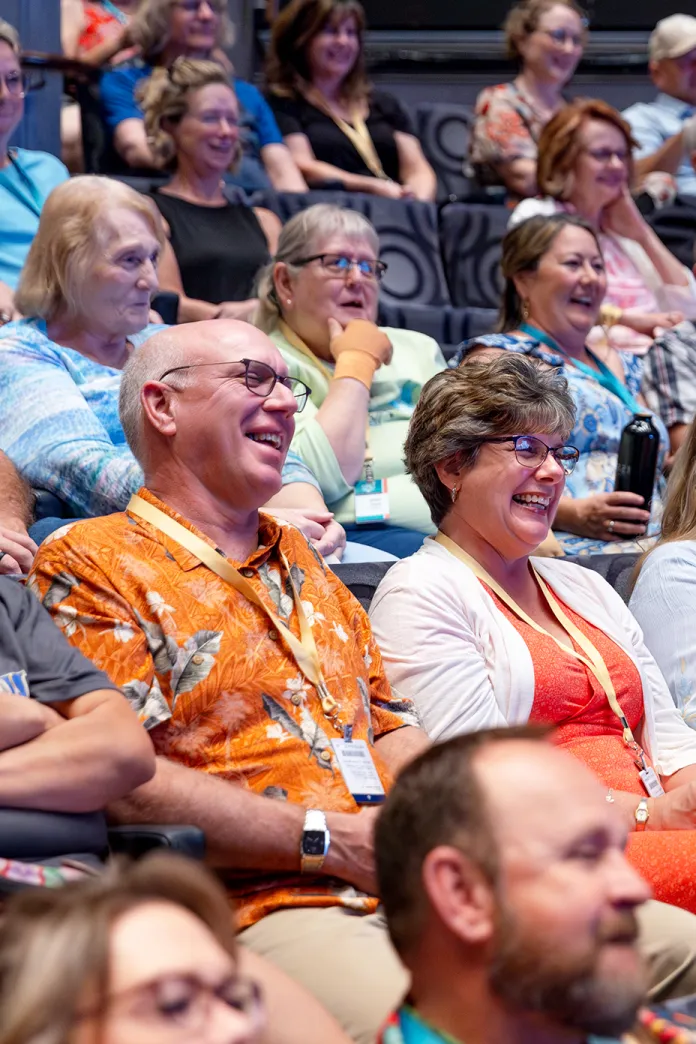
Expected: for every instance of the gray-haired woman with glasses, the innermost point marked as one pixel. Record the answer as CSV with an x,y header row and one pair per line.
x,y
26,177
318,304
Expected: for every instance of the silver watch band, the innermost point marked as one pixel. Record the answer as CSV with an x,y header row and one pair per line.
x,y
314,847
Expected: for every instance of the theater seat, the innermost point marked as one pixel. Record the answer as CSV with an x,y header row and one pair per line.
x,y
363,578
444,131
408,233
471,235
33,836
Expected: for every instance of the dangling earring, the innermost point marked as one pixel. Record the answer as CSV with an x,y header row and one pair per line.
x,y
525,311
454,493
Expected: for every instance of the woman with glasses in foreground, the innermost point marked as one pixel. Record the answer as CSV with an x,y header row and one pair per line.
x,y
555,281
143,954
318,304
479,634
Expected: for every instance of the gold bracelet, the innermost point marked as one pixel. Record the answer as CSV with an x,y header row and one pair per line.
x,y
610,315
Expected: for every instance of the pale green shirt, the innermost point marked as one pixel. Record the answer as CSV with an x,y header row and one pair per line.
x,y
393,396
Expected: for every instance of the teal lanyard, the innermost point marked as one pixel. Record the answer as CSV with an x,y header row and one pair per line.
x,y
114,12
605,377
33,200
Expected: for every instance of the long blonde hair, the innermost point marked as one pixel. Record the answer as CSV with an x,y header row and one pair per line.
x,y
54,943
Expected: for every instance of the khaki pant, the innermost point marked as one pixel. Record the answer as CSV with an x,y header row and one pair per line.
x,y
346,960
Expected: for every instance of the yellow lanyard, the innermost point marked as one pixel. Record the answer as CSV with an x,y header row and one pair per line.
x,y
292,338
592,658
304,649
357,133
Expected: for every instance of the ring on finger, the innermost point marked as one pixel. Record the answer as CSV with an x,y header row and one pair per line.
x,y
610,525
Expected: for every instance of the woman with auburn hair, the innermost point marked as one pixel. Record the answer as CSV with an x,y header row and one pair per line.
x,y
480,633
546,38
216,244
169,29
664,596
338,127
586,168
554,286
143,953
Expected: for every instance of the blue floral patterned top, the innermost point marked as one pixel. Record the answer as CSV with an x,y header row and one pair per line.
x,y
59,422
601,417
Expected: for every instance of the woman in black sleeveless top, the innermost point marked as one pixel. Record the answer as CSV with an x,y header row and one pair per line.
x,y
216,245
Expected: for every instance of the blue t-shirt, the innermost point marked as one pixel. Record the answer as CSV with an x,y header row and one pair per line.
x,y
653,123
25,184
257,123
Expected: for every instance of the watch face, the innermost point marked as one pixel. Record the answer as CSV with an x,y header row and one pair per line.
x,y
642,815
313,842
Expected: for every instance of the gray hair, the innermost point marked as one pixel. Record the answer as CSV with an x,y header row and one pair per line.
x,y
509,394
10,36
149,28
301,237
159,353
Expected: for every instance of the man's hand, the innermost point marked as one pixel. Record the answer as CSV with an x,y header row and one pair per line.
x,y
17,550
320,527
352,850
8,312
23,719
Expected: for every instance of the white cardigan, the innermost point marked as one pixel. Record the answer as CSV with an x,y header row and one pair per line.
x,y
447,646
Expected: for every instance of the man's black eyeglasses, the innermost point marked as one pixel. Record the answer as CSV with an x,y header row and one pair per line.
x,y
259,378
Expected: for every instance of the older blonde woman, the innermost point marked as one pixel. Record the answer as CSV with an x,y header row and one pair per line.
x,y
216,245
86,289
318,303
479,633
169,29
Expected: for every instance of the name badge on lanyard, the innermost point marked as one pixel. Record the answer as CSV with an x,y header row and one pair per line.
x,y
651,782
371,498
358,769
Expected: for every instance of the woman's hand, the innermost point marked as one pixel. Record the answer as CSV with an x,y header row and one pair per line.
x,y
675,810
648,322
623,218
591,516
18,550
360,335
320,528
238,309
390,189
8,312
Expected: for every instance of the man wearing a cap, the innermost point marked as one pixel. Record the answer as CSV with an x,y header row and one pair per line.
x,y
665,128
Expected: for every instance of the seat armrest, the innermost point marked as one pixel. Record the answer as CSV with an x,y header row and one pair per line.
x,y
34,835
136,840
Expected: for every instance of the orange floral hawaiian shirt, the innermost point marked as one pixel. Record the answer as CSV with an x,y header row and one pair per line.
x,y
210,677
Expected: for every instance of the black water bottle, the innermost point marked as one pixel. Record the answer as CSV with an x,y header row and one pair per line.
x,y
637,463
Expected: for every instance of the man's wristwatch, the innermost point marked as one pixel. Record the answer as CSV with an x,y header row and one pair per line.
x,y
642,814
315,842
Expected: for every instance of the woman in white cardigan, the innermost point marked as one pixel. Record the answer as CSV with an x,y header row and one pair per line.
x,y
585,166
479,635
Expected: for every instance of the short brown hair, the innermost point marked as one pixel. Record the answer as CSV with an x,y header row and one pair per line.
x,y
436,800
164,98
55,942
506,395
287,64
523,19
68,239
560,145
523,248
